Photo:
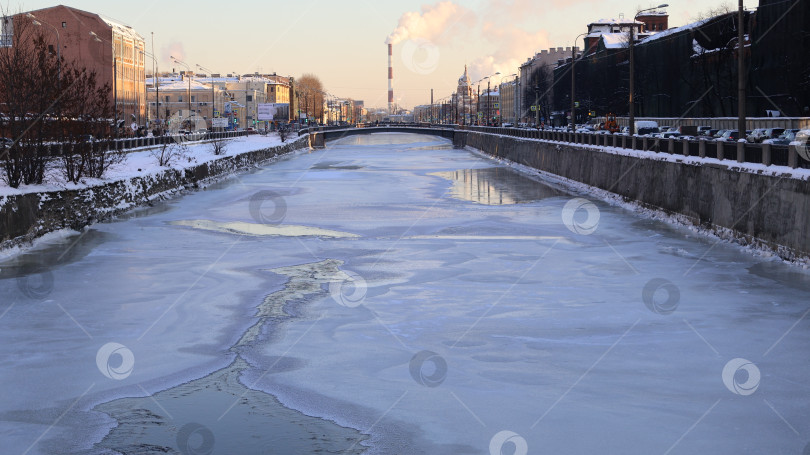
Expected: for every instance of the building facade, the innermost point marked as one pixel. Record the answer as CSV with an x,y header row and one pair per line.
x,y
528,95
116,52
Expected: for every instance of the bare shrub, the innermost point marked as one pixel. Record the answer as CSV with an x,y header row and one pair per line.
x,y
219,145
169,153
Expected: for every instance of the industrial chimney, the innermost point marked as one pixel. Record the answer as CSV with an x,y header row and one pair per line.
x,y
390,80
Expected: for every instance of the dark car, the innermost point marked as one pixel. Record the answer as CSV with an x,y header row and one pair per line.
x,y
730,135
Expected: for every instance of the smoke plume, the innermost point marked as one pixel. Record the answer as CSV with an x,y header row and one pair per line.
x,y
433,23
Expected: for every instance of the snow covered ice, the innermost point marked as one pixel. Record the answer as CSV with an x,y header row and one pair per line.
x,y
393,294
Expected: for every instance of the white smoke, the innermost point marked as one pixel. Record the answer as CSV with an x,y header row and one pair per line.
x,y
434,23
512,47
174,49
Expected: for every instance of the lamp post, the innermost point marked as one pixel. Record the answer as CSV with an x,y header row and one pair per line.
x,y
188,76
500,117
157,86
213,93
632,117
489,95
478,102
574,79
97,39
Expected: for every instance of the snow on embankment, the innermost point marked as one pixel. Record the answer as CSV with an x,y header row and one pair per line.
x,y
30,212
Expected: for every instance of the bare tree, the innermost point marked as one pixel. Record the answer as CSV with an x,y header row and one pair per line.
x,y
283,133
219,145
169,153
28,85
538,90
85,117
310,88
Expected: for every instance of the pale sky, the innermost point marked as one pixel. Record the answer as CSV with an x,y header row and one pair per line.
x,y
343,42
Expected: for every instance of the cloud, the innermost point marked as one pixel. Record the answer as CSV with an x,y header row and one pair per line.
x,y
512,47
173,49
435,23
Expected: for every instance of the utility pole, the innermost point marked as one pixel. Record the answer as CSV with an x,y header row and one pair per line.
x,y
741,71
431,105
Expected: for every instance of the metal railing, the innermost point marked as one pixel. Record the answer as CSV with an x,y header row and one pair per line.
x,y
765,154
56,149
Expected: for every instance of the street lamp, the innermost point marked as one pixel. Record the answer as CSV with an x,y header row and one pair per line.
x,y
213,94
156,80
632,127
489,94
37,22
573,79
97,39
179,62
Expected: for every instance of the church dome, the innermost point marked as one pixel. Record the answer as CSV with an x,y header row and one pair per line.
x,y
464,80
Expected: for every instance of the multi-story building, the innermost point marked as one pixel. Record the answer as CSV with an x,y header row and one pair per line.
x,y
489,104
508,98
527,89
176,97
116,52
645,25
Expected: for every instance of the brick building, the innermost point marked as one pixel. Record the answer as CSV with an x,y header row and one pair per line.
x,y
113,50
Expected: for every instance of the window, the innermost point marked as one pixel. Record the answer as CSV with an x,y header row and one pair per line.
x,y
50,49
64,24
180,99
249,97
7,37
167,98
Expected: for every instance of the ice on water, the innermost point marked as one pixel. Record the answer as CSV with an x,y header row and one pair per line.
x,y
472,300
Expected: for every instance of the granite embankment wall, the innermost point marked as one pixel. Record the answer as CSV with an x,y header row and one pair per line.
x,y
27,216
759,209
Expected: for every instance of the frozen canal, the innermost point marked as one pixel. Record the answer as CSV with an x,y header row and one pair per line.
x,y
393,295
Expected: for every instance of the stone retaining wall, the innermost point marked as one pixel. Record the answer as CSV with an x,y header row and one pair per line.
x,y
26,217
772,211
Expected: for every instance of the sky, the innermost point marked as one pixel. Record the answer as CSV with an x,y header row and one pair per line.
x,y
343,41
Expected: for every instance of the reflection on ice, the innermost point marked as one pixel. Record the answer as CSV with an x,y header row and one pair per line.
x,y
255,229
495,186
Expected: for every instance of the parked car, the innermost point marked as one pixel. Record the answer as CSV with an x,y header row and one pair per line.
x,y
772,133
784,139
672,131
644,127
703,130
710,134
507,125
756,135
730,136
